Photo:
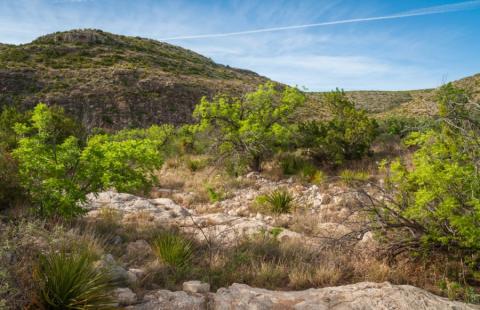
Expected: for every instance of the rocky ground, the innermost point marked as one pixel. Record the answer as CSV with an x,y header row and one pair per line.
x,y
322,214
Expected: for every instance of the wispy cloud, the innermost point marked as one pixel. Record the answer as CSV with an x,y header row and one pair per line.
x,y
468,5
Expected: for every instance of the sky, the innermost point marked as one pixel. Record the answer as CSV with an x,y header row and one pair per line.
x,y
349,44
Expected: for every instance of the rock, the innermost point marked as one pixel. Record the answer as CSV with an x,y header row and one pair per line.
x,y
363,295
132,278
196,287
118,273
124,296
139,273
138,250
167,300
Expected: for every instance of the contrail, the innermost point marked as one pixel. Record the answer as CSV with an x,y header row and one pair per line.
x,y
439,9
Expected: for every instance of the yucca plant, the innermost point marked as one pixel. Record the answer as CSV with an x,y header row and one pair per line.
x,y
71,281
279,201
173,250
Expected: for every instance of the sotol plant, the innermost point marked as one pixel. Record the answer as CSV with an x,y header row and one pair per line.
x,y
71,281
173,250
279,201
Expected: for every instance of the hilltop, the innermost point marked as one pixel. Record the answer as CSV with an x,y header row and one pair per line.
x,y
114,81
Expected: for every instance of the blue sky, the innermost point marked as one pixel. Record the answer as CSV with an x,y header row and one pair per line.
x,y
396,53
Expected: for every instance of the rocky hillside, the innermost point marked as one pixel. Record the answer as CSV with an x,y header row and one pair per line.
x,y
407,103
113,81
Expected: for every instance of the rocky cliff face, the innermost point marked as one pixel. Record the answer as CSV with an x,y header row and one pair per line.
x,y
111,81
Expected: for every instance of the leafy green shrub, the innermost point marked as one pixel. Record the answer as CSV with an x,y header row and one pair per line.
x,y
70,281
57,170
278,201
174,250
434,201
214,195
249,130
347,135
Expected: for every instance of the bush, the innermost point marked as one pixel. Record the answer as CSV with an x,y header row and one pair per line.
x,y
248,131
432,205
10,189
295,165
347,135
173,250
279,201
214,195
70,281
57,170
402,126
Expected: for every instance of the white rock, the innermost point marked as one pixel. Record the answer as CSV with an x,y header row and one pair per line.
x,y
363,295
124,296
196,287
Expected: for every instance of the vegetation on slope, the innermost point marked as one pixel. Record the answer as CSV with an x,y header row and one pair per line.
x,y
112,81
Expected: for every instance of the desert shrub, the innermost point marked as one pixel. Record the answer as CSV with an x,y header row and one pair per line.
x,y
346,135
349,177
291,164
173,250
8,118
402,125
295,165
432,205
57,170
10,190
249,130
196,164
278,201
214,195
71,281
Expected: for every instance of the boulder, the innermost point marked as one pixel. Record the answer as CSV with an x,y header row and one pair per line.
x,y
363,295
167,300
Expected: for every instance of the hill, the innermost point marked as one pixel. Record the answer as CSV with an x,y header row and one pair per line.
x,y
114,81
410,103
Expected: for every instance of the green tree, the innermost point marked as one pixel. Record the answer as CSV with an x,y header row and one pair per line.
x,y
346,134
433,203
58,171
249,130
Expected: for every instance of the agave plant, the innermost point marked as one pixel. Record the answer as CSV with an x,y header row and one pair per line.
x,y
279,201
174,250
71,281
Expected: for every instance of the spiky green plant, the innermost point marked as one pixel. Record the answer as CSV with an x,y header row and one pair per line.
x,y
173,250
71,281
279,201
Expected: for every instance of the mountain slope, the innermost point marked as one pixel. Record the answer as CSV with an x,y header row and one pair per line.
x,y
410,103
114,81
